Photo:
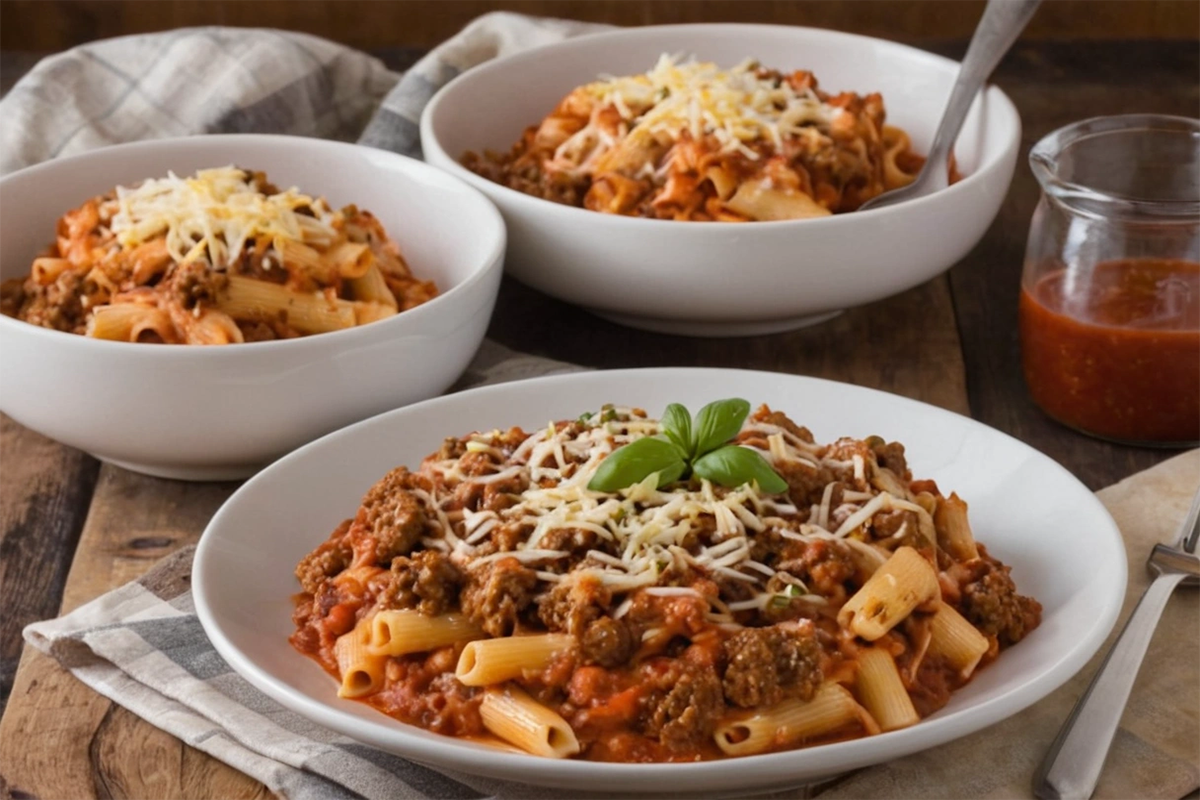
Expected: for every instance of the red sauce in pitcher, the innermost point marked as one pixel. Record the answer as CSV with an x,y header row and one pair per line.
x,y
1117,355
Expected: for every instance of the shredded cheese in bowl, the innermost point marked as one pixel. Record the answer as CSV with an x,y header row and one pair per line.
x,y
736,106
216,212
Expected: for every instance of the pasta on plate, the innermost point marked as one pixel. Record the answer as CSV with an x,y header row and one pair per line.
x,y
216,258
690,141
493,593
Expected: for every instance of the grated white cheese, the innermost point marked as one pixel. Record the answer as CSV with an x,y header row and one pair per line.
x,y
646,537
735,106
213,213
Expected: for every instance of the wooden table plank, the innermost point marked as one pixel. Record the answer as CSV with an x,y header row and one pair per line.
x,y
1052,87
44,498
58,738
907,344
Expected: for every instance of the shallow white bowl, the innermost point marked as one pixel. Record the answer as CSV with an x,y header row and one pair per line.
x,y
1031,513
207,413
724,279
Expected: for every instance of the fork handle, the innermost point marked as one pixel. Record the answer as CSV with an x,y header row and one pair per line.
x,y
1072,766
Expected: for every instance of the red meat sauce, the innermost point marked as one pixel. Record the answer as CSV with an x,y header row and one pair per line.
x,y
652,684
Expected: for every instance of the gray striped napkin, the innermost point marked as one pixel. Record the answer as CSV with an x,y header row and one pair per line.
x,y
241,80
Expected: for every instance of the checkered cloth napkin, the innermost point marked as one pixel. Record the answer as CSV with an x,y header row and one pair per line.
x,y
142,646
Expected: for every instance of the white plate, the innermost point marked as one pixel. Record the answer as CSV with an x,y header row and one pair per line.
x,y
1064,548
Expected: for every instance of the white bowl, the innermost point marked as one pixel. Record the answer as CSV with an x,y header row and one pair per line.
x,y
1063,547
725,279
208,413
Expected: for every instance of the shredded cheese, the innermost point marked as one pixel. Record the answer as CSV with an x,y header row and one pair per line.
x,y
650,536
214,213
735,106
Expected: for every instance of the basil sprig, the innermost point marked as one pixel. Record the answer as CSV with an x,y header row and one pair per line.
x,y
687,447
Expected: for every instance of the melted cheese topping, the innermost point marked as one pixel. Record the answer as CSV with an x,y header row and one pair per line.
x,y
736,106
212,215
653,533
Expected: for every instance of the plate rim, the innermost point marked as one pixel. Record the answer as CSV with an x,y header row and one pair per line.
x,y
765,770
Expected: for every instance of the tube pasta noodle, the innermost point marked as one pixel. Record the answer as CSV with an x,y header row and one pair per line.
x,y
396,633
127,322
905,581
831,708
247,298
956,640
224,256
361,670
502,597
372,312
882,691
693,141
517,718
370,287
46,270
351,259
953,530
305,260
212,327
490,661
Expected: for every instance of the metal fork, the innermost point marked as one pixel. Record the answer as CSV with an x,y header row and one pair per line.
x,y
1072,766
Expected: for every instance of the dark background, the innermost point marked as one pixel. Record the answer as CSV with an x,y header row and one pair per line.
x,y
47,25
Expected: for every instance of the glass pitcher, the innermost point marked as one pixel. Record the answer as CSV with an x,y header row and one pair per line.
x,y
1110,294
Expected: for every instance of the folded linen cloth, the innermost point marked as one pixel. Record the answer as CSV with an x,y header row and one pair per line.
x,y
142,646
241,80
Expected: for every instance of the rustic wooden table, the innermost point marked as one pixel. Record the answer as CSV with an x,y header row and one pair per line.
x,y
72,528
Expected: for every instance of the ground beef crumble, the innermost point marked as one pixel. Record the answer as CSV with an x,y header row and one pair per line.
x,y
682,702
608,642
392,516
572,606
496,593
330,558
991,603
766,665
428,581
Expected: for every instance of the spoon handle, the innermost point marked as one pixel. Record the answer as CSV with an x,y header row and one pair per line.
x,y
1001,24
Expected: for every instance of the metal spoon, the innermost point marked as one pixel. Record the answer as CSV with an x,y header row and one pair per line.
x,y
1001,24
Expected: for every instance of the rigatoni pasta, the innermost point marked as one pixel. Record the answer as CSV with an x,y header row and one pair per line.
x,y
520,720
830,709
692,141
221,257
676,618
401,631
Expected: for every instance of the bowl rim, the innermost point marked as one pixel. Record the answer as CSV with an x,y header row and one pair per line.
x,y
431,144
492,261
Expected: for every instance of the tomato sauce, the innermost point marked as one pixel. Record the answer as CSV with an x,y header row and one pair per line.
x,y
1119,355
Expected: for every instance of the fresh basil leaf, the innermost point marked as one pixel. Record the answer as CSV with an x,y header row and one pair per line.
x,y
733,466
585,416
717,423
672,473
677,425
631,464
